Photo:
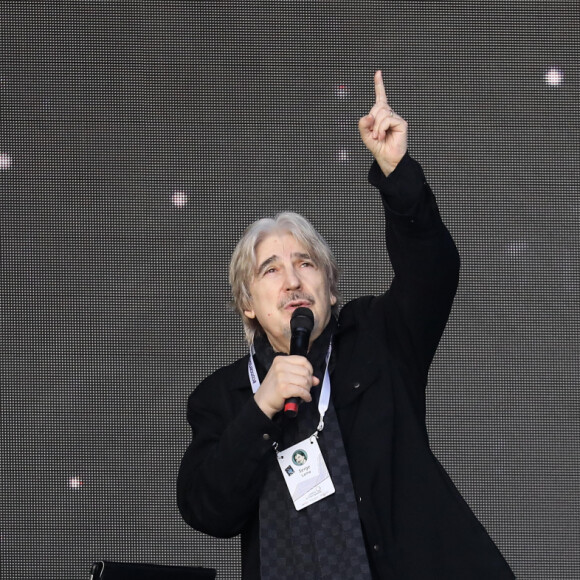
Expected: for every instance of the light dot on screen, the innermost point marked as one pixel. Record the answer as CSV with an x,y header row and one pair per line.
x,y
554,76
75,483
342,91
5,161
343,156
179,198
517,248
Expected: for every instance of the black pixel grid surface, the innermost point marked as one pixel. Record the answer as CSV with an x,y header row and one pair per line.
x,y
138,139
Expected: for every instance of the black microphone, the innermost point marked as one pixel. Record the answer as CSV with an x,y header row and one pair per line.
x,y
301,325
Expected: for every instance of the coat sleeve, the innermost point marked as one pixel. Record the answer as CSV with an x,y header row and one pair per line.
x,y
414,312
223,470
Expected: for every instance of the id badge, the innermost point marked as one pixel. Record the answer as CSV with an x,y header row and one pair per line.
x,y
305,473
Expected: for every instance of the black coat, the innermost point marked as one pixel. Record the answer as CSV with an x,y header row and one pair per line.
x,y
415,523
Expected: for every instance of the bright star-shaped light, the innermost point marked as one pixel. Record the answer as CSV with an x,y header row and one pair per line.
x,y
554,76
179,198
75,483
5,161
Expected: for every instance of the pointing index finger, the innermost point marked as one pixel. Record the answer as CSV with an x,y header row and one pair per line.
x,y
380,93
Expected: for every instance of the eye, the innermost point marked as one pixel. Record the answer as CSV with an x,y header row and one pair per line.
x,y
307,264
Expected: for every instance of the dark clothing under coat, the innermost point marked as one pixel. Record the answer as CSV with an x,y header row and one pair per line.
x,y
415,523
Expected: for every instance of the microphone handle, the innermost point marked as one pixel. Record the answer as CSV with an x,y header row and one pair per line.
x,y
298,345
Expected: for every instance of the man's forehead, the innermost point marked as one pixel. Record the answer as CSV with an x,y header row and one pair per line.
x,y
278,243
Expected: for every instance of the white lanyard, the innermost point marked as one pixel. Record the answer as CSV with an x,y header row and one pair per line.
x,y
324,393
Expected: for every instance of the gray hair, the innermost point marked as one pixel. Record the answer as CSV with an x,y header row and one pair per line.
x,y
243,261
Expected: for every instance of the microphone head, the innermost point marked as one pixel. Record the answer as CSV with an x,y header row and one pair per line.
x,y
302,319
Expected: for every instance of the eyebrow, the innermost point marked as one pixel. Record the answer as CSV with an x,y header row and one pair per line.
x,y
274,258
266,263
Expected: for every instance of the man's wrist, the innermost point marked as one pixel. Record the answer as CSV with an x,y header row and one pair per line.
x,y
388,168
267,409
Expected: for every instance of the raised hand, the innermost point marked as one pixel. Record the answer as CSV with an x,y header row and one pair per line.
x,y
383,131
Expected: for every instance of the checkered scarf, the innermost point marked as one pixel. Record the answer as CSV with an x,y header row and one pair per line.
x,y
324,540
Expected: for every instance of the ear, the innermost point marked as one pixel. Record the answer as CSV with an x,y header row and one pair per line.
x,y
332,299
252,314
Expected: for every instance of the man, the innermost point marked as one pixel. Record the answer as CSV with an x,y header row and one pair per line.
x,y
368,499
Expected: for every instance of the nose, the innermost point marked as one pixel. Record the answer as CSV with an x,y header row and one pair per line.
x,y
292,281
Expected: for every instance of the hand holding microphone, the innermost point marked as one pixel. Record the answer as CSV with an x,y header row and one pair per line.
x,y
290,378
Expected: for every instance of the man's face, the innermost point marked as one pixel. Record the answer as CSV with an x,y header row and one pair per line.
x,y
287,278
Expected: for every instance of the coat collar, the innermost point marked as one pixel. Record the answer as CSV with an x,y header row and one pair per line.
x,y
317,355
239,378
353,365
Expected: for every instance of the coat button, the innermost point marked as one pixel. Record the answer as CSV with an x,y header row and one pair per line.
x,y
376,548
356,386
266,437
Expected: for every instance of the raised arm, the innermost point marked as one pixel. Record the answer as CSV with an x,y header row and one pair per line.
x,y
414,311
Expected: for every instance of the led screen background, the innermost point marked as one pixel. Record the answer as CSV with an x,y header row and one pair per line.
x,y
138,139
